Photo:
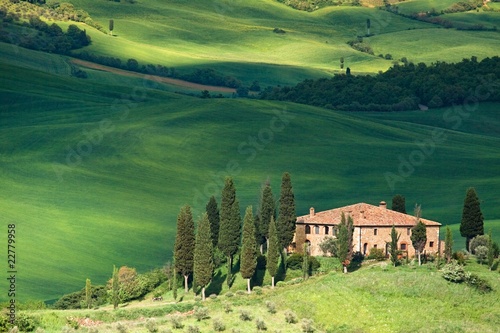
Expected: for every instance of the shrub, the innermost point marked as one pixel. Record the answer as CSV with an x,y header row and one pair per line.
x,y
377,254
460,257
197,298
229,294
122,328
26,323
271,307
481,240
213,296
201,313
193,329
227,307
241,292
454,272
294,262
219,325
257,290
478,283
245,315
261,324
307,325
290,317
280,284
176,321
151,325
481,253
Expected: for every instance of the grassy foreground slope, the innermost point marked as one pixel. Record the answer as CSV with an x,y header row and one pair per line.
x,y
376,298
236,37
94,171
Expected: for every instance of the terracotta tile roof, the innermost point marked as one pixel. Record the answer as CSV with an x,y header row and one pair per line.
x,y
363,215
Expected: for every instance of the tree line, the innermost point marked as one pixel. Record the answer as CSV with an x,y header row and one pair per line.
x,y
402,87
38,35
221,231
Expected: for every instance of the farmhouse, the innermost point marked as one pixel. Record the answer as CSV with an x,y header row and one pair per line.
x,y
372,228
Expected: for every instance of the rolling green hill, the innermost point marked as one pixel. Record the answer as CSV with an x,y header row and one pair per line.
x,y
93,172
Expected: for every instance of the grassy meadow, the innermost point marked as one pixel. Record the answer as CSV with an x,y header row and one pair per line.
x,y
94,172
375,298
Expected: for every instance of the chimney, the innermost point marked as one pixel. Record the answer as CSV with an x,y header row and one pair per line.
x,y
311,211
382,204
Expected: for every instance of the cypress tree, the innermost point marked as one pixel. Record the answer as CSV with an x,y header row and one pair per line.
x,y
448,244
345,241
230,224
394,246
472,217
184,244
491,251
399,204
267,212
305,262
418,235
203,255
115,288
88,293
248,261
286,217
213,217
273,251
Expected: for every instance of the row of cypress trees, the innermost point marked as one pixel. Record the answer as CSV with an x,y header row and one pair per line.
x,y
222,229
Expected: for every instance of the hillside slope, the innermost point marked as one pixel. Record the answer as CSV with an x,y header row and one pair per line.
x,y
94,170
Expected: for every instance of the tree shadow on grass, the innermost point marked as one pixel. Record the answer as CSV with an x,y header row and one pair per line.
x,y
258,277
215,286
281,273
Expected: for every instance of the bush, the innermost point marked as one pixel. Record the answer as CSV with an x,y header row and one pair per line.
x,y
151,325
213,296
481,253
271,307
176,321
481,240
307,325
460,257
193,329
245,315
454,272
257,290
201,313
478,283
290,317
294,262
227,307
377,254
219,325
261,324
122,328
280,284
241,292
229,294
26,323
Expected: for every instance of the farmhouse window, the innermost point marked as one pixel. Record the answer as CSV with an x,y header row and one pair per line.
x,y
431,244
403,247
327,230
308,229
316,230
375,231
408,230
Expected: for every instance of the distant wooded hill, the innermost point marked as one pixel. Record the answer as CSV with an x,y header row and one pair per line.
x,y
402,87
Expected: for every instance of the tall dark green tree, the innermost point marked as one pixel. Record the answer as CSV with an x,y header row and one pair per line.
x,y
448,244
305,261
115,288
393,246
344,241
286,217
273,251
267,212
399,203
214,218
203,255
184,244
88,293
418,235
248,261
111,26
230,224
472,218
368,25
491,251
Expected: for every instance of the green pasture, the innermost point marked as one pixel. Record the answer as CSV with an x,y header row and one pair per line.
x,y
489,20
459,241
237,38
375,298
95,171
417,6
437,44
